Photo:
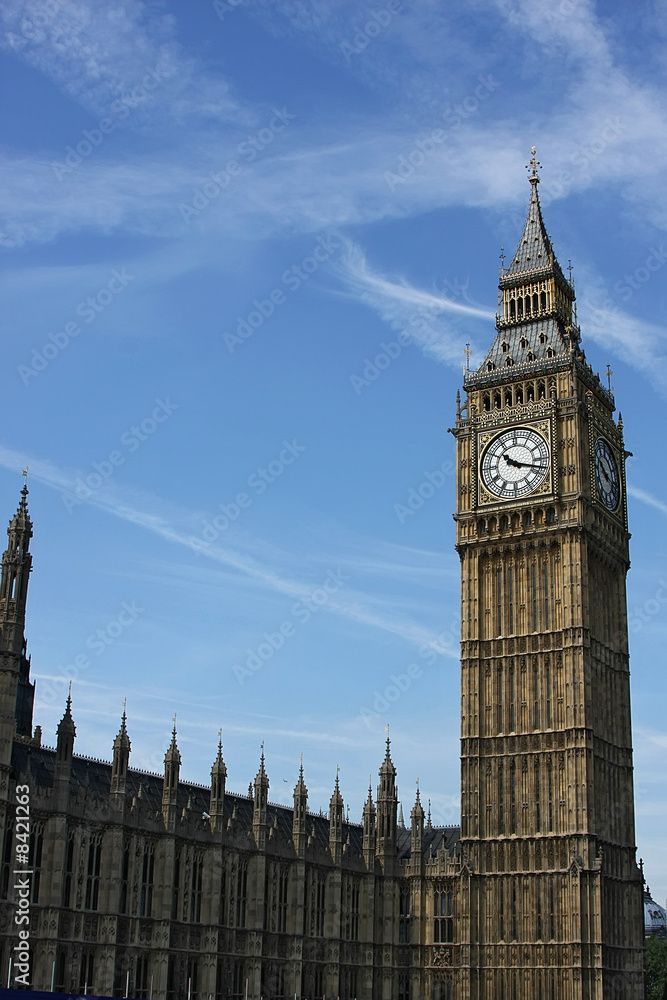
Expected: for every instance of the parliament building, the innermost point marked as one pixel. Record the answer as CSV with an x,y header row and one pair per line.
x,y
146,886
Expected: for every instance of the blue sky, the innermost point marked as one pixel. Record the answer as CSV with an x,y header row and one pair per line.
x,y
215,218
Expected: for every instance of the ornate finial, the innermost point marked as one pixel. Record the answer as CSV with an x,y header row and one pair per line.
x,y
467,352
532,166
124,704
609,374
502,261
173,721
569,268
25,476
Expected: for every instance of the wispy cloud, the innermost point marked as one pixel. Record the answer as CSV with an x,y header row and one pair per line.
x,y
648,499
406,308
98,53
174,525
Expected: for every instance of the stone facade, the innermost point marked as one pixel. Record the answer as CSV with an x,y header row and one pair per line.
x,y
145,885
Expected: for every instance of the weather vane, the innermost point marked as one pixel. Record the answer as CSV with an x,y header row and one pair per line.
x,y
25,474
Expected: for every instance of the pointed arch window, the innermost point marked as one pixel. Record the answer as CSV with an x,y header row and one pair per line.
x,y
93,877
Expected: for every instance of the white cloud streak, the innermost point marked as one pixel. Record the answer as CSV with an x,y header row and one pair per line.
x,y
141,510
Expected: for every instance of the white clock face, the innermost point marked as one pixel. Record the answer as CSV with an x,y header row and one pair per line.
x,y
515,463
606,475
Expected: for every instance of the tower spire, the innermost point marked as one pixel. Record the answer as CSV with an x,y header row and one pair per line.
x,y
535,318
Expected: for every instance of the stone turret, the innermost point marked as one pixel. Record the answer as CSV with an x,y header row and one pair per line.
x,y
417,835
121,759
260,807
299,833
336,815
18,692
387,807
369,832
218,782
172,768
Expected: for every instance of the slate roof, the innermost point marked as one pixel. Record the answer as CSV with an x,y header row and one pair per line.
x,y
534,251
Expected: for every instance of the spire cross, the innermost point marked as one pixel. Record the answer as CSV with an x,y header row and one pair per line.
x,y
609,374
534,164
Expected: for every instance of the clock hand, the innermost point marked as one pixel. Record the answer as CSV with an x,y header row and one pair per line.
x,y
602,470
521,465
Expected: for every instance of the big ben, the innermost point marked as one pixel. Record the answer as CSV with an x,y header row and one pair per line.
x,y
550,895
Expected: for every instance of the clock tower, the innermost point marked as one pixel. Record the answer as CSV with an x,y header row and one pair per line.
x,y
550,895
